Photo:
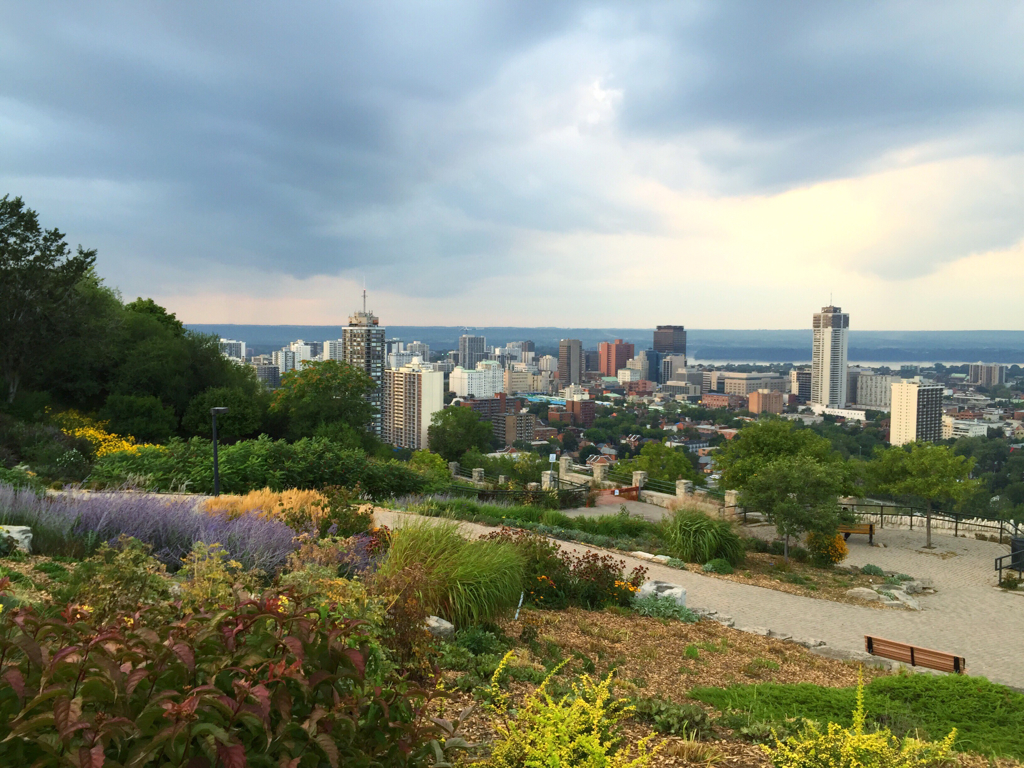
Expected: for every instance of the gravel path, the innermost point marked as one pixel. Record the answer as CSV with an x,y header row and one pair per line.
x,y
967,615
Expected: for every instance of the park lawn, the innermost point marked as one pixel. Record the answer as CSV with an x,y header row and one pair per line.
x,y
989,718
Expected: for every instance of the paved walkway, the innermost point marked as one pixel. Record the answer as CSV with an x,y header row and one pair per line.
x,y
967,615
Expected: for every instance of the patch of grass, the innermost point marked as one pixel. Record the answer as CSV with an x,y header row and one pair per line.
x,y
692,751
872,570
715,647
759,666
692,652
989,718
718,565
53,570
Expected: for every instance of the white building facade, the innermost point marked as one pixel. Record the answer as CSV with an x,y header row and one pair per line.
x,y
412,395
829,357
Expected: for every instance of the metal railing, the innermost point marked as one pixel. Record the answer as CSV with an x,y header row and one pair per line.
x,y
1004,528
563,497
660,486
1015,563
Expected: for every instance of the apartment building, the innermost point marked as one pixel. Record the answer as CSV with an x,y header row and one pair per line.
x,y
916,412
412,395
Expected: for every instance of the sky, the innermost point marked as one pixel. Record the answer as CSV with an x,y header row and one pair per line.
x,y
710,164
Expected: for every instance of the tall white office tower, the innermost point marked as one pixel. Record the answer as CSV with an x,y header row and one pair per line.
x,y
829,357
363,346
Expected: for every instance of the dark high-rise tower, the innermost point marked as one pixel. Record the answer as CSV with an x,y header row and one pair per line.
x,y
670,339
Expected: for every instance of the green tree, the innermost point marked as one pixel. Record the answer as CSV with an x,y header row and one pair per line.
x,y
39,303
455,430
145,418
663,463
931,473
764,441
797,494
327,399
243,419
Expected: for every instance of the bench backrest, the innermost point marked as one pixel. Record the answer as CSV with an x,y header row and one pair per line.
x,y
915,656
858,528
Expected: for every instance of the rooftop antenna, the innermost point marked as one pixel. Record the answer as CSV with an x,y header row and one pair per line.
x,y
364,301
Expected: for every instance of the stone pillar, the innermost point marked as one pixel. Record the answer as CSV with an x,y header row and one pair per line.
x,y
684,488
732,510
533,486
478,475
548,481
639,478
601,472
564,465
502,479
453,467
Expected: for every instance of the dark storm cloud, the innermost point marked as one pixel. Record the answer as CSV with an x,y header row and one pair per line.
x,y
330,138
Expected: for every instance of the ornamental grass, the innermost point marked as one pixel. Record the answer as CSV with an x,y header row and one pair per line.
x,y
466,582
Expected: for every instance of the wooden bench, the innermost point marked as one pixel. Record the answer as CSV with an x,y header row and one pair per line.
x,y
865,528
914,656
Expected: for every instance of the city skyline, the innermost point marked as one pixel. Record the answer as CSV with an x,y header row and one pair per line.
x,y
265,163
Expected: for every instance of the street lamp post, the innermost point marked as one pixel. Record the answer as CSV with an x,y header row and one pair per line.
x,y
215,412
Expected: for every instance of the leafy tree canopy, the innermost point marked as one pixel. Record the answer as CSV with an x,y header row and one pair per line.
x,y
455,430
325,397
145,418
797,493
764,441
663,463
243,419
39,304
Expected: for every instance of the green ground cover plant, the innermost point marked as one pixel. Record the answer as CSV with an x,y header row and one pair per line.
x,y
989,718
661,607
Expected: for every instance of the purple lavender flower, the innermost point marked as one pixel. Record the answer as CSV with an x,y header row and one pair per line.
x,y
74,522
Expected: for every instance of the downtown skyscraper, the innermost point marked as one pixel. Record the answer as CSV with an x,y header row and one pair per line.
x,y
362,345
829,357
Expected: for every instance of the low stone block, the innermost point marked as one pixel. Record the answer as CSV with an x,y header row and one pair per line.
x,y
912,587
438,627
762,631
664,589
661,559
22,535
907,601
809,642
779,635
863,593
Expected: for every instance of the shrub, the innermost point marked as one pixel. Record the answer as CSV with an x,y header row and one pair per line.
x,y
826,551
661,607
697,538
20,478
718,566
261,683
673,719
851,747
872,570
261,463
581,729
119,580
75,525
330,513
211,580
464,581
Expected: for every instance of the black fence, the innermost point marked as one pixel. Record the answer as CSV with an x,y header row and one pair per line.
x,y
1004,528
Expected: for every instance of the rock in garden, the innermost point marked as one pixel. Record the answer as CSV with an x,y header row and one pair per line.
x,y
762,631
809,642
863,593
779,635
912,587
907,601
21,534
438,627
664,589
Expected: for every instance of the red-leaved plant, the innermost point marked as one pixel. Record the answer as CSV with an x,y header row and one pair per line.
x,y
262,683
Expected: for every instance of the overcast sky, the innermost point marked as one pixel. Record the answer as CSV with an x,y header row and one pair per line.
x,y
717,165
